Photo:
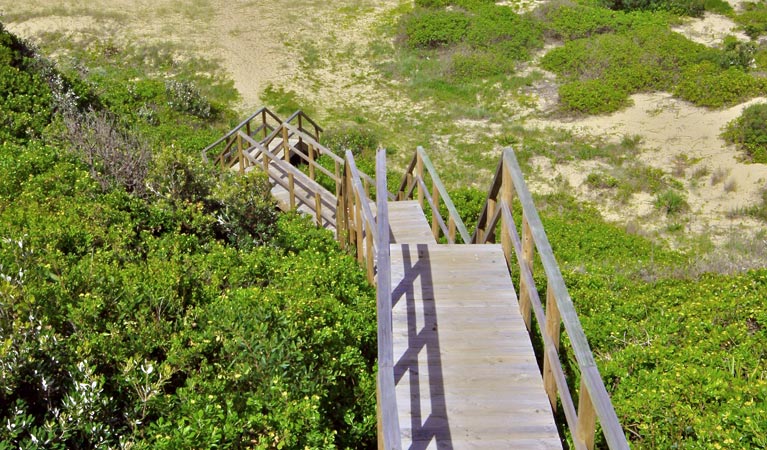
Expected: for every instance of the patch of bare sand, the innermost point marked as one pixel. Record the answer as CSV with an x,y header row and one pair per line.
x,y
672,129
710,30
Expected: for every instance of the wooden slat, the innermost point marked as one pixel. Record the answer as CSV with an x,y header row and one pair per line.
x,y
464,364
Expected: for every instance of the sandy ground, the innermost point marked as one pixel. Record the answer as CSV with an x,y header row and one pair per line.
x,y
317,49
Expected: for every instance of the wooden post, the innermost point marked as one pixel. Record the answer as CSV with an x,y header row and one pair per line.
x,y
318,208
358,224
311,161
507,196
369,253
527,256
435,197
265,161
451,230
301,129
338,179
285,144
553,320
263,121
490,230
247,128
587,417
419,176
239,151
292,191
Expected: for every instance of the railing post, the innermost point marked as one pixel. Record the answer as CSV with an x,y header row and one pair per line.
x,y
301,129
358,224
553,321
311,161
587,417
285,144
369,253
507,197
490,230
263,122
434,223
318,208
527,255
451,230
239,151
419,176
338,179
292,191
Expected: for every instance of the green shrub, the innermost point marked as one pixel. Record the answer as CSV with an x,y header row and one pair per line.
x,y
435,28
753,19
736,53
693,8
601,181
671,202
572,22
184,97
749,132
705,84
592,97
479,65
358,139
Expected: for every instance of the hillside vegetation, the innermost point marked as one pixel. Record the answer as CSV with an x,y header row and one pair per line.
x,y
147,301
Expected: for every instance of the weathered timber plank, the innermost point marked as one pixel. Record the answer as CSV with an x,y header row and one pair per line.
x,y
466,375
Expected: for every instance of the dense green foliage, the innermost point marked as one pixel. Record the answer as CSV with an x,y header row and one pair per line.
x,y
600,71
749,132
753,18
682,355
190,317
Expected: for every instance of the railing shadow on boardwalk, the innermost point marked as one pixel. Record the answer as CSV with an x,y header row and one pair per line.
x,y
432,427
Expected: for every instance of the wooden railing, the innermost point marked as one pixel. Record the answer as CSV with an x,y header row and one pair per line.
x,y
415,183
263,126
369,235
497,217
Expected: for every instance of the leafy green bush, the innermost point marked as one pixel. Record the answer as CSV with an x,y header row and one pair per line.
x,y
572,22
705,84
753,19
189,318
616,65
671,202
184,97
435,28
693,8
592,96
358,139
26,105
749,132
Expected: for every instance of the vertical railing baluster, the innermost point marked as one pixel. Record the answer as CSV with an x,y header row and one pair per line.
x,y
318,208
285,144
435,198
292,191
527,255
419,176
553,321
587,417
311,161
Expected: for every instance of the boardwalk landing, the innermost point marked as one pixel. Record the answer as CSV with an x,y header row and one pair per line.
x,y
465,371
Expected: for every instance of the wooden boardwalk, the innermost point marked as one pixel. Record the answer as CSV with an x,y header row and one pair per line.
x,y
465,371
456,366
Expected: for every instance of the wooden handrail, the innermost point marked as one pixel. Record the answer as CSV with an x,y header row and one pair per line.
x,y
594,401
261,111
389,435
414,182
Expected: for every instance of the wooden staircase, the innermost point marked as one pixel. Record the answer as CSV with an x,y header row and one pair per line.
x,y
457,368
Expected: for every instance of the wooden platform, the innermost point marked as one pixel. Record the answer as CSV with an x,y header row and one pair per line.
x,y
407,223
465,371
